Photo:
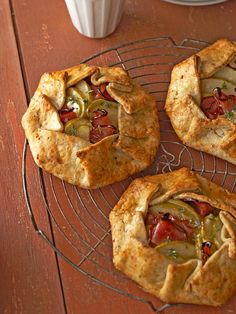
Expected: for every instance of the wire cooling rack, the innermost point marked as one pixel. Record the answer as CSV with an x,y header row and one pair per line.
x,y
79,227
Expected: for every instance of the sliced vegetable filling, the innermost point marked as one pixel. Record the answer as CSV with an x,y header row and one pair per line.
x,y
219,94
218,104
93,104
184,229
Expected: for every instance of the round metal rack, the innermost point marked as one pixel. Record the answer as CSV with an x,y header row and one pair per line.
x,y
79,227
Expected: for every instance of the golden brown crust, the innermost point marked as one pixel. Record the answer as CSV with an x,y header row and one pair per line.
x,y
79,72
76,160
133,99
143,126
218,136
190,282
54,85
216,56
110,75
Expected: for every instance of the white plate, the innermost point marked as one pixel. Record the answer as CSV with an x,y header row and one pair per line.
x,y
195,2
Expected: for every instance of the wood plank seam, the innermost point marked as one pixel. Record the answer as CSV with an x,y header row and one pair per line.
x,y
26,88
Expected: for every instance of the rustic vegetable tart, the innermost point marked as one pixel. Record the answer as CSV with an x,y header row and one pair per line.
x,y
201,100
175,235
91,126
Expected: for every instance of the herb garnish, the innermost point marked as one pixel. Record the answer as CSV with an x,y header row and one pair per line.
x,y
73,131
172,253
181,212
107,104
224,85
71,100
218,227
211,217
230,114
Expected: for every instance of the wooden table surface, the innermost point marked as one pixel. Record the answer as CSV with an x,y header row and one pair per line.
x,y
38,36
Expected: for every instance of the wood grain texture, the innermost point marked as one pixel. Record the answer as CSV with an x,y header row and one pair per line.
x,y
29,277
49,41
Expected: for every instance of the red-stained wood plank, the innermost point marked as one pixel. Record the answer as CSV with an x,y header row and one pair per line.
x,y
30,280
48,41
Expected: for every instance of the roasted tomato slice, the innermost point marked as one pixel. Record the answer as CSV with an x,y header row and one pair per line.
x,y
66,115
102,121
218,104
206,250
101,126
96,92
166,230
203,208
100,132
98,113
100,117
100,92
104,92
211,107
229,104
151,219
184,225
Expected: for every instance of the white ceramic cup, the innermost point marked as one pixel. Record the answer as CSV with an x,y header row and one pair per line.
x,y
95,18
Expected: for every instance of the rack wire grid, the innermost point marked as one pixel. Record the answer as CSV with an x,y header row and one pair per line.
x,y
79,229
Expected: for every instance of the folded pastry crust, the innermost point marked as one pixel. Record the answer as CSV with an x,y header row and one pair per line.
x,y
76,160
211,283
218,136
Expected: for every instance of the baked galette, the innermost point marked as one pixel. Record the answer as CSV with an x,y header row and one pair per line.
x,y
201,100
91,126
175,235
